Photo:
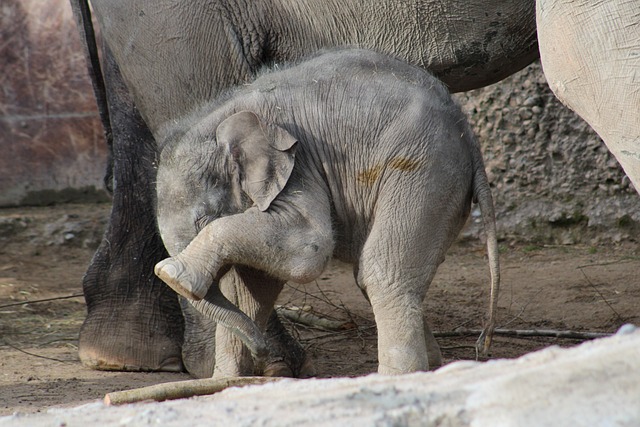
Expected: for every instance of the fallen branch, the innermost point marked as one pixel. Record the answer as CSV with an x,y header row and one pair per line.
x,y
308,318
526,333
183,389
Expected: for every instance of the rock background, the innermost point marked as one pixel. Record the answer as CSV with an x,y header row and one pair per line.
x,y
553,179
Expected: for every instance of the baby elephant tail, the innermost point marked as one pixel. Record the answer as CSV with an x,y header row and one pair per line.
x,y
482,193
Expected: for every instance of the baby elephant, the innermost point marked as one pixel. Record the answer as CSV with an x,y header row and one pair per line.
x,y
351,154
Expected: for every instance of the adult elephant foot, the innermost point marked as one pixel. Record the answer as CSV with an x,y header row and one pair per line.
x,y
134,321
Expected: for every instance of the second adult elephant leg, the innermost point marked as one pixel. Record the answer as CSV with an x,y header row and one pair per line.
x,y
134,321
590,57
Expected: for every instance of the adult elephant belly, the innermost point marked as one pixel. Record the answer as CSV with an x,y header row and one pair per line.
x,y
166,58
175,55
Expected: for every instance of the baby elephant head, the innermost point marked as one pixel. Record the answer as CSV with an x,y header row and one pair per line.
x,y
220,169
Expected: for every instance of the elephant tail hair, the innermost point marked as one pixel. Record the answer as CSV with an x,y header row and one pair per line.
x,y
482,194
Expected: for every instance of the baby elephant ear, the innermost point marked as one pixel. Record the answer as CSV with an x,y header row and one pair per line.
x,y
264,153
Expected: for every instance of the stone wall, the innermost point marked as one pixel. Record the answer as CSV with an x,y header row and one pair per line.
x,y
51,137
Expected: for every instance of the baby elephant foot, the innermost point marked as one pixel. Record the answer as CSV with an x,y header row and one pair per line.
x,y
188,283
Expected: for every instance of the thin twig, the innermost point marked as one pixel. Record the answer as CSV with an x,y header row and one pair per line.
x,y
37,355
339,305
41,300
308,318
459,347
524,307
463,324
601,296
517,316
337,333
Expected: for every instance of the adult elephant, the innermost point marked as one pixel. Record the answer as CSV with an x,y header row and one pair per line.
x,y
590,53
164,58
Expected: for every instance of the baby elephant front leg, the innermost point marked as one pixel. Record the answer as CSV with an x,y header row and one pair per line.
x,y
295,249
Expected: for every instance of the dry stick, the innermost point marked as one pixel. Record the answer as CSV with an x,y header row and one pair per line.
x,y
298,315
527,333
183,389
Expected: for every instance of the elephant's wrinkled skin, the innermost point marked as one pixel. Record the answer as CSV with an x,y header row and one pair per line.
x,y
351,154
164,58
590,53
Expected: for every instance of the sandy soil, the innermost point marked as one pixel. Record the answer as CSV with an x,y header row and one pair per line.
x,y
44,252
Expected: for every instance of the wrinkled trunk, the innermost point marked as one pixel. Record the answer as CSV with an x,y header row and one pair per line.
x,y
219,309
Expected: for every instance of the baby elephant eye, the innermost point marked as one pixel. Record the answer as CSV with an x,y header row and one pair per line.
x,y
202,221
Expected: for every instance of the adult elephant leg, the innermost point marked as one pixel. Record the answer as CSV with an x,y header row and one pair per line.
x,y
133,321
590,55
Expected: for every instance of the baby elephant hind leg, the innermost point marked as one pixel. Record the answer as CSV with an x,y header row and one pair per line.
x,y
395,272
399,315
398,262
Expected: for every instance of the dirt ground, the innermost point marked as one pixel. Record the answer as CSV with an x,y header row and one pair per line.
x,y
44,253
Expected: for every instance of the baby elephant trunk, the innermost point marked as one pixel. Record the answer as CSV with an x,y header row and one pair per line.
x,y
219,309
209,300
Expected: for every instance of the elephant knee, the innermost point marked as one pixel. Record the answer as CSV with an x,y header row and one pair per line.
x,y
310,261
